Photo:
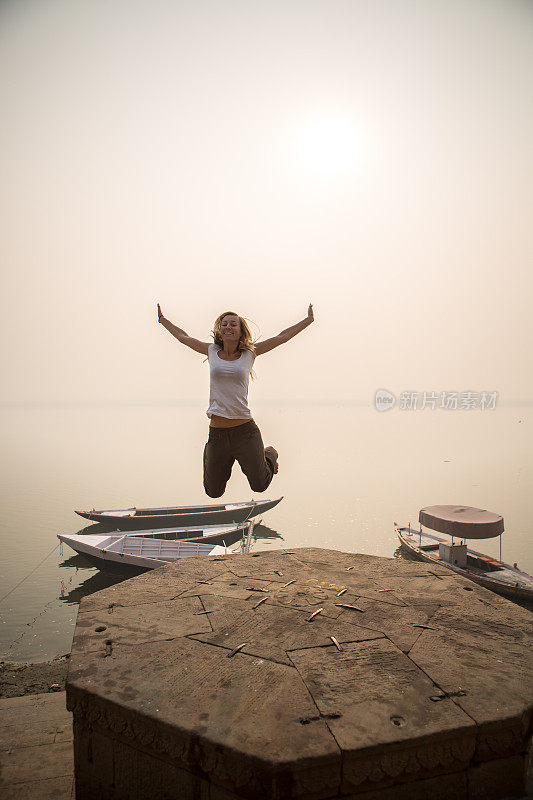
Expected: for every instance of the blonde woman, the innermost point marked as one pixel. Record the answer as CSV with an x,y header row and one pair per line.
x,y
233,435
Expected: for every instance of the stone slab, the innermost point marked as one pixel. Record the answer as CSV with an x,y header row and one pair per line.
x,y
310,594
34,720
330,584
146,622
269,631
47,789
431,586
410,698
223,611
229,585
491,678
36,748
41,731
52,704
25,764
401,624
272,565
365,564
510,623
389,729
329,569
236,719
328,579
159,584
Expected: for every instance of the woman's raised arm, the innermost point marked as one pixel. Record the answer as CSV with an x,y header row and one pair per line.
x,y
181,336
284,336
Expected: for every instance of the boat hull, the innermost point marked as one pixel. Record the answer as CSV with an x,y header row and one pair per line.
x,y
113,568
109,554
196,533
141,519
511,583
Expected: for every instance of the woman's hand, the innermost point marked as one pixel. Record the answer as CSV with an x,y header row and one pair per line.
x,y
159,313
310,315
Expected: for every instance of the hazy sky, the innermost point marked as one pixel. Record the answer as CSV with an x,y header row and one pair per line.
x,y
371,157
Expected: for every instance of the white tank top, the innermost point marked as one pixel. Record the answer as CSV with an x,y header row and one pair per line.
x,y
228,392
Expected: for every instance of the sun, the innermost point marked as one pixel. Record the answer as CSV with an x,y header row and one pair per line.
x,y
329,146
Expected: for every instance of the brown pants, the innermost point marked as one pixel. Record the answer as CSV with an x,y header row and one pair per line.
x,y
243,443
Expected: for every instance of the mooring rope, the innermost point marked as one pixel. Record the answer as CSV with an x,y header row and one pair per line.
x,y
254,503
29,573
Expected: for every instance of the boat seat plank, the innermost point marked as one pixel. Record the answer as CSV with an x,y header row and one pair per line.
x,y
158,548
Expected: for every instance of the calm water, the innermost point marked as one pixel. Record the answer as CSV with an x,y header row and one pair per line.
x,y
346,473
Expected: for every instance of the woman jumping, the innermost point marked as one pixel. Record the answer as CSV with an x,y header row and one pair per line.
x,y
232,432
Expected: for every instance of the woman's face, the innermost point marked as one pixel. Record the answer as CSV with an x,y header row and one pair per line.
x,y
230,328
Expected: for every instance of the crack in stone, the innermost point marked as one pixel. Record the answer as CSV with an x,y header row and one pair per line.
x,y
206,614
98,646
330,644
435,684
322,716
400,602
420,634
191,636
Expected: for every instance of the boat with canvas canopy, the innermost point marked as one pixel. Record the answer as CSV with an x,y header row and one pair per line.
x,y
465,522
180,516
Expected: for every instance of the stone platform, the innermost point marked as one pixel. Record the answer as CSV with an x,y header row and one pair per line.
x,y
212,679
36,748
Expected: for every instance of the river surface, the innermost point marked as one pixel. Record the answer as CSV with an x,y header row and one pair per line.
x,y
347,473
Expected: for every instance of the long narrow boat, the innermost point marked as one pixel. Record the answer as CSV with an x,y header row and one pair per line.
x,y
136,554
464,522
189,532
137,551
180,516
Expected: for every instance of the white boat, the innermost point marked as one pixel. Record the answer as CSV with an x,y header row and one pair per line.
x,y
181,515
465,522
119,553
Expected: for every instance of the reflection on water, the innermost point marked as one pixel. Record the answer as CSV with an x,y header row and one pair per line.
x,y
75,561
399,553
346,474
98,528
100,580
264,533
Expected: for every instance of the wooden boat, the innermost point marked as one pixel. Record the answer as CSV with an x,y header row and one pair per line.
x,y
135,553
465,522
181,515
206,533
119,553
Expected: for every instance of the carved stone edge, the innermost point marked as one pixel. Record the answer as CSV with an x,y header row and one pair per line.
x,y
412,761
211,761
317,781
141,732
504,738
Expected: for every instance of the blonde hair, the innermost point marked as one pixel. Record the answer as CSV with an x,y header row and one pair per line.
x,y
246,341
